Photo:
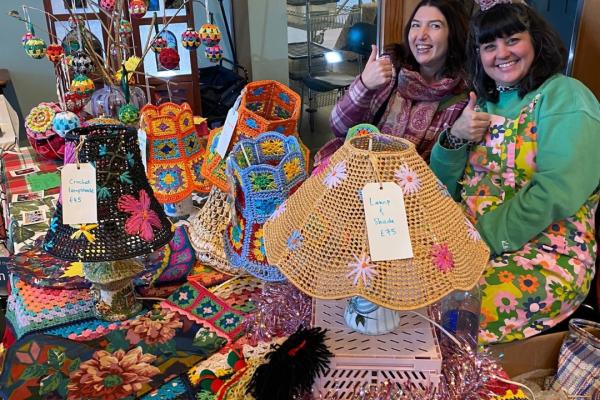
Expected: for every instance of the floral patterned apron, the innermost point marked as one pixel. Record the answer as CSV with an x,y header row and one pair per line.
x,y
533,289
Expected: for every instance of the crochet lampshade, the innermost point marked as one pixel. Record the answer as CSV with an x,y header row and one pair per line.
x,y
176,152
131,222
318,239
264,171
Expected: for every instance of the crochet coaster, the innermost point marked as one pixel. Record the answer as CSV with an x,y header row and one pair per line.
x,y
200,305
32,308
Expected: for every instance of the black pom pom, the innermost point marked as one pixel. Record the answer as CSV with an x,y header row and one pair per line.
x,y
291,368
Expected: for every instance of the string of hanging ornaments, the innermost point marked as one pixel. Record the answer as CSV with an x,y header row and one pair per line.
x,y
79,60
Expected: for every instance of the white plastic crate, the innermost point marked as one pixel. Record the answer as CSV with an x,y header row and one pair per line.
x,y
410,353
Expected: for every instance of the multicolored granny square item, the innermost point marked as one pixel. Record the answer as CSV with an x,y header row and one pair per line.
x,y
31,308
264,172
176,152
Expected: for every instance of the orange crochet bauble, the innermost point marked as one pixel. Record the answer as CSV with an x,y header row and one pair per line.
x,y
176,152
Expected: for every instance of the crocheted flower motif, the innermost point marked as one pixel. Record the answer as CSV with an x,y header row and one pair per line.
x,y
85,231
236,235
40,119
259,245
272,147
337,174
292,169
169,179
262,181
472,232
157,326
407,179
361,269
112,376
442,257
295,240
143,219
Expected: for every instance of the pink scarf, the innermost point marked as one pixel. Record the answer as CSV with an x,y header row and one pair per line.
x,y
413,106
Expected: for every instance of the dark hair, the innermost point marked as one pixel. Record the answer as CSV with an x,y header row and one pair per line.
x,y
504,20
458,24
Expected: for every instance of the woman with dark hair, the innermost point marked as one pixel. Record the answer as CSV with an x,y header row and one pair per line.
x,y
417,88
523,160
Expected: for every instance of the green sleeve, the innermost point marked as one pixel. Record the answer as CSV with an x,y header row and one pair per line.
x,y
449,165
567,173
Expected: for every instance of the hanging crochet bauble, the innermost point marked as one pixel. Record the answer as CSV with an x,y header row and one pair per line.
x,y
74,101
190,39
210,34
35,48
137,8
158,44
125,29
55,52
82,63
40,134
129,114
214,53
169,58
26,37
82,85
108,5
64,121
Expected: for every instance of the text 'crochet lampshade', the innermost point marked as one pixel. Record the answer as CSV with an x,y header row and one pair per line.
x,y
263,173
131,222
318,237
176,151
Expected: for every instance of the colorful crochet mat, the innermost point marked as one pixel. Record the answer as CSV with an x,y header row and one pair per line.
x,y
31,308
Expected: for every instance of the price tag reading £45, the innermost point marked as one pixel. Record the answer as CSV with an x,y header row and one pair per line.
x,y
78,194
387,227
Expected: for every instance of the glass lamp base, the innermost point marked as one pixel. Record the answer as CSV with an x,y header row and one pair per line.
x,y
112,287
366,317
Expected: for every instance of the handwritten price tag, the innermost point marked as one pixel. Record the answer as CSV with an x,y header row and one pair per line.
x,y
228,128
78,193
387,227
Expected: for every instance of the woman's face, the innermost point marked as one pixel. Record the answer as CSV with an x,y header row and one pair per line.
x,y
507,60
428,38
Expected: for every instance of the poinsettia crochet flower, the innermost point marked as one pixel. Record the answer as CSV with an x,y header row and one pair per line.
x,y
337,174
157,326
142,219
442,257
112,376
407,179
362,269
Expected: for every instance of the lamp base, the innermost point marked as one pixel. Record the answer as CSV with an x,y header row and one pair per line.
x,y
112,286
370,319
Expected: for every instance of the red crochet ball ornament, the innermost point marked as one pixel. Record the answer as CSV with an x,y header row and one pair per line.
x,y
169,58
74,102
55,52
137,8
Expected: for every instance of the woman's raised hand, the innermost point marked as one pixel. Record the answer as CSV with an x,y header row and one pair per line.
x,y
472,123
377,72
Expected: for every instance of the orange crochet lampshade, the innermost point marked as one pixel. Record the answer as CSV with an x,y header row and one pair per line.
x,y
176,152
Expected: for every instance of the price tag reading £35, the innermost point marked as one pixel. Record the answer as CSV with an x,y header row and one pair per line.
x,y
387,227
78,194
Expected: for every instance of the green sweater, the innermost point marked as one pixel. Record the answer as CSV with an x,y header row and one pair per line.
x,y
568,163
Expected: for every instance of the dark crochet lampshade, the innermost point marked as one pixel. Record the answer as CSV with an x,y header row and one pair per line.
x,y
131,222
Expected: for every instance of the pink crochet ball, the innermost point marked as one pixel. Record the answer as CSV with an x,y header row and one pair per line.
x,y
210,35
55,52
169,58
74,102
214,53
190,39
137,8
26,37
158,44
108,5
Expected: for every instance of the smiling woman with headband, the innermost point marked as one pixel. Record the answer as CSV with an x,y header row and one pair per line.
x,y
417,88
523,160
